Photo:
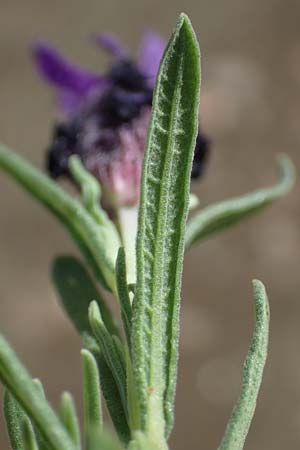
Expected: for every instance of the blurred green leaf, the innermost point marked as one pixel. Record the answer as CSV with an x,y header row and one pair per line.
x,y
217,217
17,380
90,236
76,290
91,196
28,436
68,415
99,439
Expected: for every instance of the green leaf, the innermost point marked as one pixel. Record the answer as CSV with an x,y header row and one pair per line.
x,y
90,188
91,392
17,380
68,415
112,398
161,228
217,217
242,414
28,436
99,439
91,196
110,351
14,416
122,288
90,236
42,444
76,290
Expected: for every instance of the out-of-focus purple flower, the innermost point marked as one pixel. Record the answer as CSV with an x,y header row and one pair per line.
x,y
106,117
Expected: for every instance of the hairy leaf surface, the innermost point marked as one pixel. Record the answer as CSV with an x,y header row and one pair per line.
x,y
242,414
14,417
91,393
161,228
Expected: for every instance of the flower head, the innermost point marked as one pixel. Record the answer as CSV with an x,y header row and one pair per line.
x,y
106,117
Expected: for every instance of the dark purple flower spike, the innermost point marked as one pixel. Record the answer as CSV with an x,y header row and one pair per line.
x,y
107,116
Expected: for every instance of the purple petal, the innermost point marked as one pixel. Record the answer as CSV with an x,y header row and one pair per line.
x,y
111,44
63,74
69,102
150,54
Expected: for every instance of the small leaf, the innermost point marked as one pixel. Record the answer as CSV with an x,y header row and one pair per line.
x,y
91,392
14,416
163,210
242,414
90,188
91,194
110,352
215,218
99,439
113,401
87,233
68,415
17,380
28,436
42,444
76,290
122,288
39,387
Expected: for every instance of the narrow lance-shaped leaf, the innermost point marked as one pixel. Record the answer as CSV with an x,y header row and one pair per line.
x,y
217,217
76,290
113,400
161,228
29,438
91,393
68,415
109,350
42,444
242,414
14,417
122,288
88,234
17,380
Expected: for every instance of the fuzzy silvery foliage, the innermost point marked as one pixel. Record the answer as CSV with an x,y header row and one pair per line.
x,y
132,363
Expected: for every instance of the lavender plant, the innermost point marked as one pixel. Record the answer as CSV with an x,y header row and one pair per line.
x,y
132,361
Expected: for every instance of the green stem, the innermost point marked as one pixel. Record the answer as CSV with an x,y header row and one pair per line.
x,y
128,227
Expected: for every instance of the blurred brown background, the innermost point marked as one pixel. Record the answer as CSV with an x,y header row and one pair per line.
x,y
251,111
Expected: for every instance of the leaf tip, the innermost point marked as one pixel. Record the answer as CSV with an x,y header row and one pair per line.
x,y
260,299
287,170
94,315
